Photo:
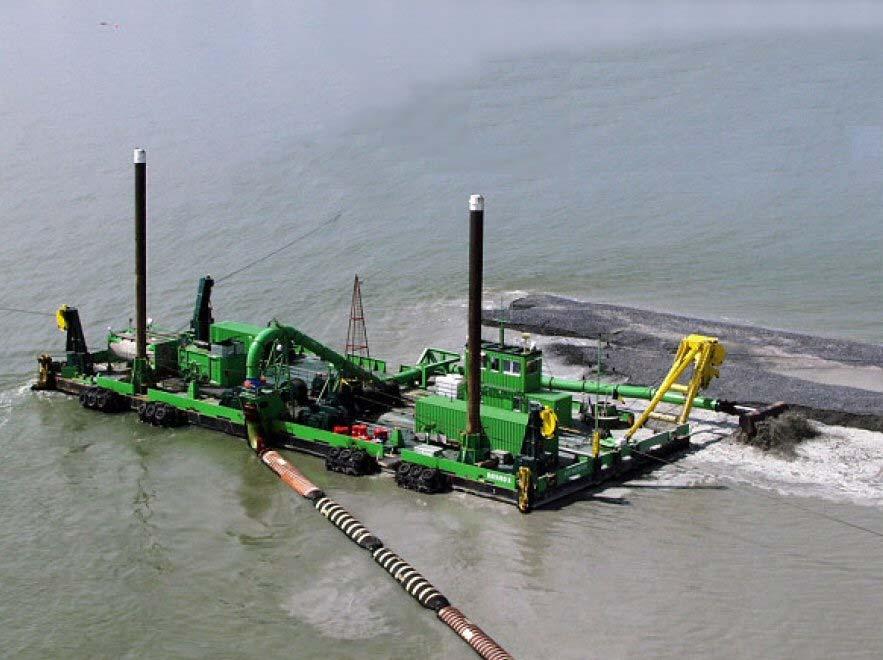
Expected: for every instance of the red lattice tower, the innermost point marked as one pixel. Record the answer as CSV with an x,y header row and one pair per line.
x,y
356,334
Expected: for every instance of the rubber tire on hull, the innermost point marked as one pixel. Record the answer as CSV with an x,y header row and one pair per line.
x,y
149,412
160,414
354,462
332,458
421,479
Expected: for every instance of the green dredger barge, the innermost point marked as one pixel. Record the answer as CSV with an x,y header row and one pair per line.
x,y
487,421
493,426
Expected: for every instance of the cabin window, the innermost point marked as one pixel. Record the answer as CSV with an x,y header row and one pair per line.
x,y
533,366
512,367
495,364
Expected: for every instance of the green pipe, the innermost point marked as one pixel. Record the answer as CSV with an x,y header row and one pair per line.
x,y
258,347
417,373
275,332
625,391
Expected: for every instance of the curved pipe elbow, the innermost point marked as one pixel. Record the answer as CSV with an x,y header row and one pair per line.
x,y
258,349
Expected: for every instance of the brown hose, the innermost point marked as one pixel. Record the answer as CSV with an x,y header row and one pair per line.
x,y
290,475
486,647
403,573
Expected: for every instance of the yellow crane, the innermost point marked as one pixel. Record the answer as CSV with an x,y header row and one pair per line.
x,y
704,354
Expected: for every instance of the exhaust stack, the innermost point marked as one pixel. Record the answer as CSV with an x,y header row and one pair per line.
x,y
476,259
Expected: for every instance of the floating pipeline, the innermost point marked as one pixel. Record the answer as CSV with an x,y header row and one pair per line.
x,y
472,634
401,571
410,580
291,475
346,523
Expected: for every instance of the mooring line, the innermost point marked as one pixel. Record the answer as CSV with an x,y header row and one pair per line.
x,y
272,253
418,587
25,311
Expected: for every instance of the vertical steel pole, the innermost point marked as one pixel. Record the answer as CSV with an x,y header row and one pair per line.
x,y
140,253
476,259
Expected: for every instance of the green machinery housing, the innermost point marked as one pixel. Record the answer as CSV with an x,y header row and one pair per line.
x,y
510,386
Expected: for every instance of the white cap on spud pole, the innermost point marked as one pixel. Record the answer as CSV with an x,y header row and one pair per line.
x,y
476,203
140,156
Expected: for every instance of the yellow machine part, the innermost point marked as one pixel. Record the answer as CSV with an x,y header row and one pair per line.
x,y
60,319
550,422
524,487
705,355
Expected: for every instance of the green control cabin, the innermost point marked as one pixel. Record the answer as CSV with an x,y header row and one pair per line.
x,y
510,387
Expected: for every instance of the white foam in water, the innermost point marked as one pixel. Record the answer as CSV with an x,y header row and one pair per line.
x,y
841,464
5,409
9,398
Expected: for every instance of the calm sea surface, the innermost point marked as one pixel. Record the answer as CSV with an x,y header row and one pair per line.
x,y
719,160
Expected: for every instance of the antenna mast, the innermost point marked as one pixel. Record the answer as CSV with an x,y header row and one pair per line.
x,y
356,334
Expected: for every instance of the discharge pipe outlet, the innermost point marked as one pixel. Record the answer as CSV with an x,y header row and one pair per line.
x,y
401,571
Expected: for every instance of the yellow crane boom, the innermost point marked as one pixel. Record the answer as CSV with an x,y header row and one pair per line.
x,y
705,355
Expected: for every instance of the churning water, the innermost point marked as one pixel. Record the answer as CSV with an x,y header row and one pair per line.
x,y
716,159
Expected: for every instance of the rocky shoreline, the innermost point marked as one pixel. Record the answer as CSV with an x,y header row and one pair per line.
x,y
834,381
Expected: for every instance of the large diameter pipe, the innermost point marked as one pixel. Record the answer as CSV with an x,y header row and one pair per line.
x,y
416,373
473,344
417,586
140,157
276,332
479,640
626,391
291,475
